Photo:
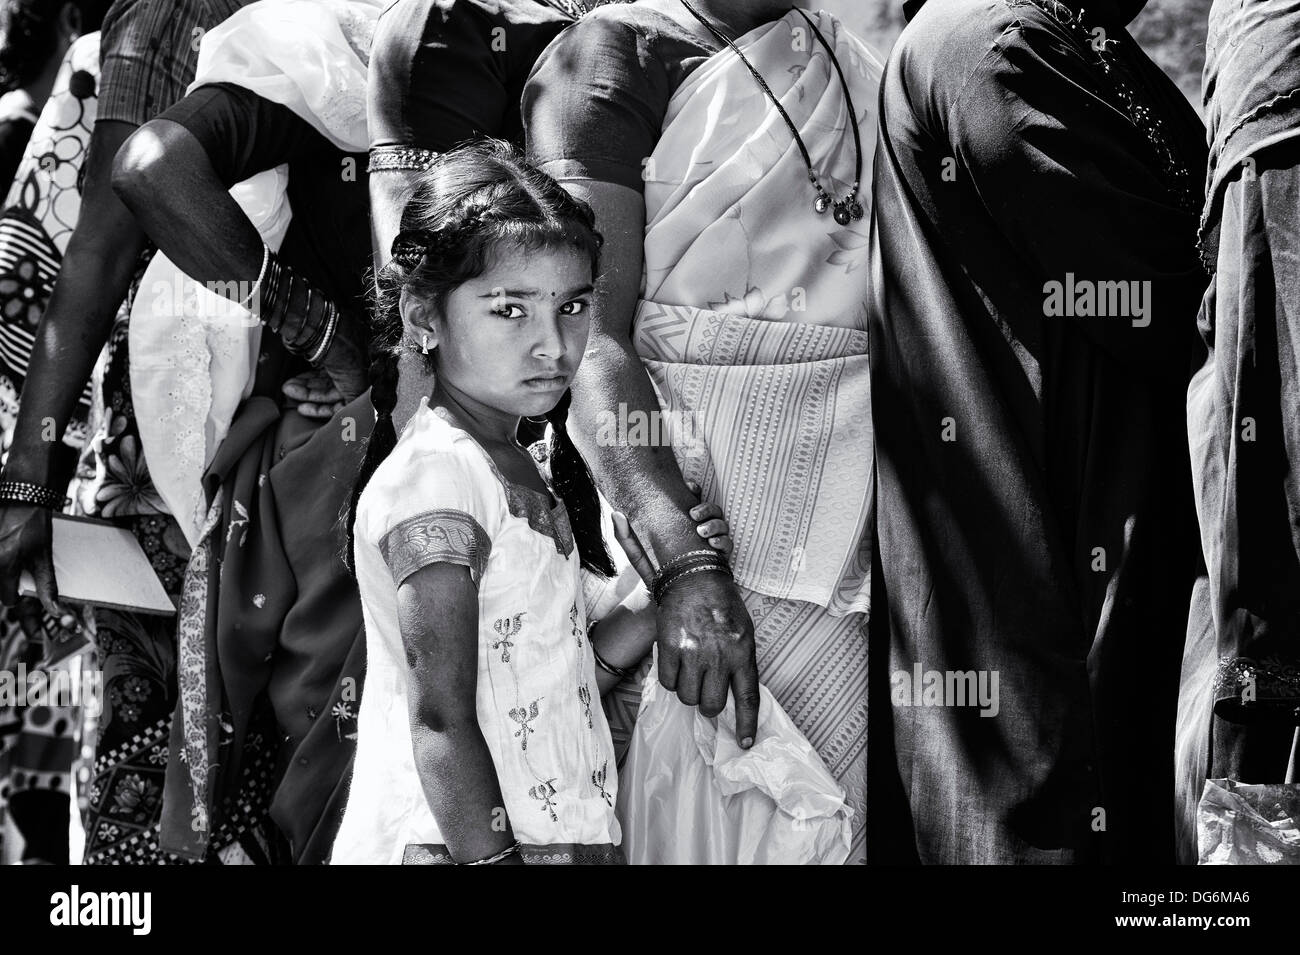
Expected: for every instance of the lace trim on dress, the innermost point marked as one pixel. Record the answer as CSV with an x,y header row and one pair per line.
x,y
440,535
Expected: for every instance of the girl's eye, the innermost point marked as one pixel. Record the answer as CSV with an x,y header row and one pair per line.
x,y
508,311
576,307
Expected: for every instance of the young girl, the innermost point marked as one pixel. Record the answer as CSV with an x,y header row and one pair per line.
x,y
481,737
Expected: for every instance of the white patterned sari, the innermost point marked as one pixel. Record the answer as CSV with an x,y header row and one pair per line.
x,y
752,326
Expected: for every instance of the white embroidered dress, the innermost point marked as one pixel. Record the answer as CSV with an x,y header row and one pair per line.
x,y
438,497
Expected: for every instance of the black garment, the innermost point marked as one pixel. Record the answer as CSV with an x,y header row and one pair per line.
x,y
444,71
14,134
633,60
1033,495
328,240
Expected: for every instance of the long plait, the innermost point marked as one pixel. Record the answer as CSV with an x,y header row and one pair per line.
x,y
382,440
576,489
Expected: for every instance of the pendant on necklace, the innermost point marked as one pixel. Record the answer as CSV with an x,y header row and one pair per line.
x,y
821,205
841,214
855,209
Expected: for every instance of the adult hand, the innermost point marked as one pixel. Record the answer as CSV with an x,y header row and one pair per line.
x,y
25,544
345,362
711,525
314,394
706,646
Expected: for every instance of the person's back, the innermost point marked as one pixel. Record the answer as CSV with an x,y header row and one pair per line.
x,y
1031,336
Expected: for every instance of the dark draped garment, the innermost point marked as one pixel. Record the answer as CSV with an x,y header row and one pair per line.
x,y
1035,517
1240,701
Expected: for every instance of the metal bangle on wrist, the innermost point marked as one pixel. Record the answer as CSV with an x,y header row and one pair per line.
x,y
497,856
687,565
37,495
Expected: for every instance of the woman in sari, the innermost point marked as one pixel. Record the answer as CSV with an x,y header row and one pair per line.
x,y
732,309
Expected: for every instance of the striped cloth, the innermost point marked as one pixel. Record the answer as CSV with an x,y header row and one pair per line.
x,y
150,50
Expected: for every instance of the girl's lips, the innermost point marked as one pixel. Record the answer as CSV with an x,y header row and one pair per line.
x,y
547,381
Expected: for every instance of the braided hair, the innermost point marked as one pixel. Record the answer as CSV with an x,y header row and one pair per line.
x,y
470,200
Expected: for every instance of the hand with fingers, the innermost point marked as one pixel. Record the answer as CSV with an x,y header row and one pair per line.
x,y
705,634
711,526
314,394
26,544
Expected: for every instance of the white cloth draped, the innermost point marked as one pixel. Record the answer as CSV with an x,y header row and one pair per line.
x,y
192,364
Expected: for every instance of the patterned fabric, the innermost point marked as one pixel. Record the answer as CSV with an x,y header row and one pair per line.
x,y
1249,825
771,402
151,48
556,854
126,801
193,664
437,535
38,744
536,680
39,216
760,357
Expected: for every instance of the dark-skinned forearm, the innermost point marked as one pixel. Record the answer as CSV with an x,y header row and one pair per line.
x,y
167,180
460,783
644,482
93,280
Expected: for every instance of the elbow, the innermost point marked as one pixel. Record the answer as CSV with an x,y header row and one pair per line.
x,y
445,719
137,169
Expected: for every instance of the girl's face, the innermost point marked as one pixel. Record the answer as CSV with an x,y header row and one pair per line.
x,y
513,337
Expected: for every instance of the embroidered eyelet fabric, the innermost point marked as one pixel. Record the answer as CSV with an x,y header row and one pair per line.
x,y
438,497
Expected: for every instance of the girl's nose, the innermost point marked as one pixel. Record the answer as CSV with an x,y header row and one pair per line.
x,y
550,340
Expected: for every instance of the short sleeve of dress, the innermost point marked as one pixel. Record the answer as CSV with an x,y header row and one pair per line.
x,y
427,506
595,103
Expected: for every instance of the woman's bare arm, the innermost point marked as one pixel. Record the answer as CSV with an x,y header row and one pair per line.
x,y
93,280
706,637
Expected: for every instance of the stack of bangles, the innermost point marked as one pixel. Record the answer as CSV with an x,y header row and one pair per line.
x,y
37,495
687,565
283,294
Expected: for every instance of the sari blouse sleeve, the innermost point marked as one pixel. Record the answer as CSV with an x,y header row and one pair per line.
x,y
441,72
595,102
242,133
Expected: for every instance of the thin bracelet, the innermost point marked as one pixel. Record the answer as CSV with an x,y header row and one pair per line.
x,y
664,586
331,325
683,559
621,672
681,562
261,274
663,580
497,857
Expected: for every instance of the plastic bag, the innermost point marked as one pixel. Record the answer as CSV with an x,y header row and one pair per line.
x,y
688,794
1240,824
